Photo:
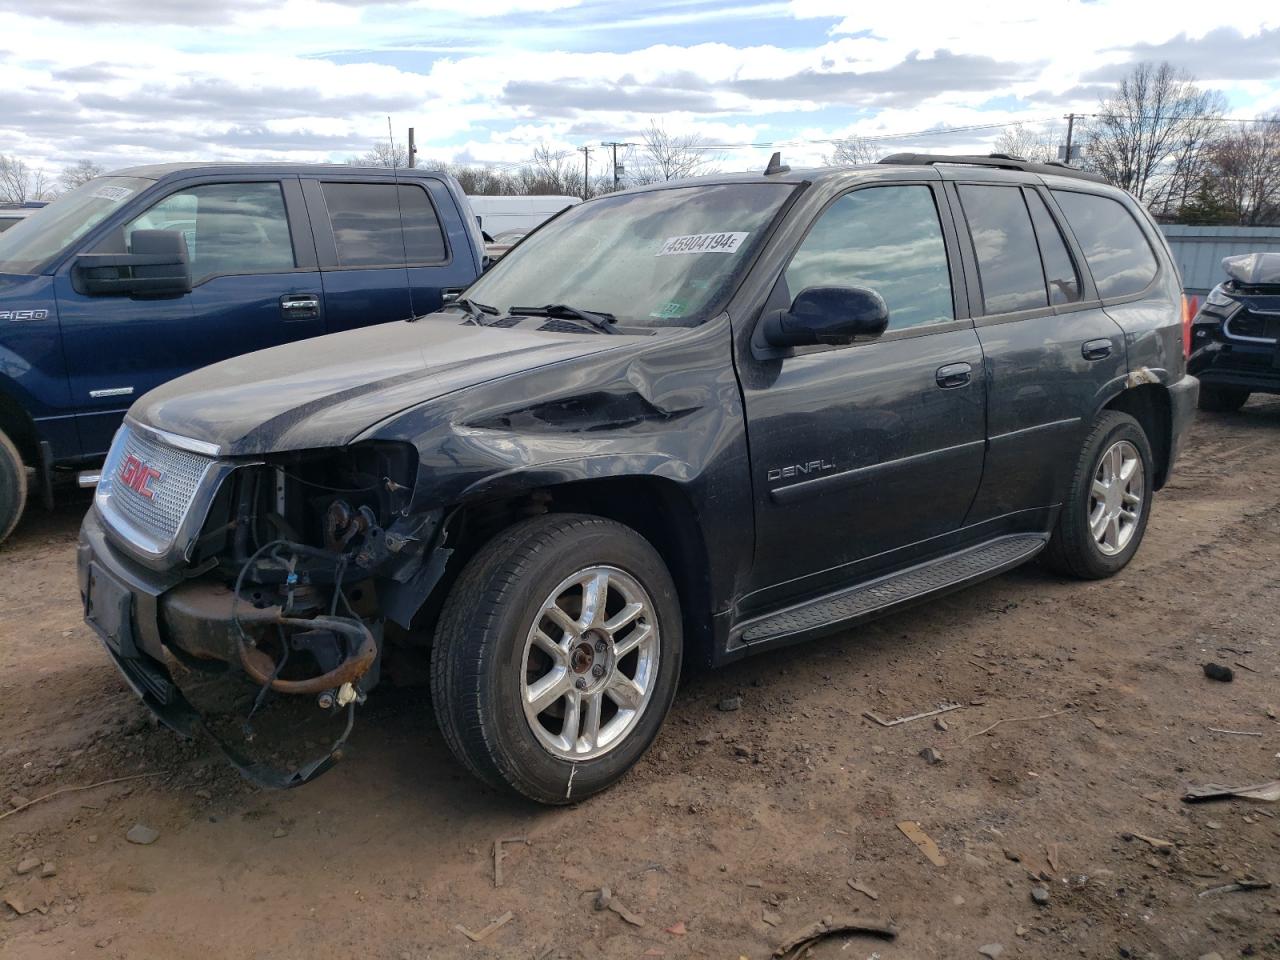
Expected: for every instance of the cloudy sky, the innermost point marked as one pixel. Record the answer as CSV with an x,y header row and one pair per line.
x,y
123,81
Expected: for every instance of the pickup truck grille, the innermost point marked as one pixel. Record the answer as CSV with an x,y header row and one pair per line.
x,y
148,488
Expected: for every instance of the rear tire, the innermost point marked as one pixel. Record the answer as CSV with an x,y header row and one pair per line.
x,y
556,656
1222,399
1105,514
13,487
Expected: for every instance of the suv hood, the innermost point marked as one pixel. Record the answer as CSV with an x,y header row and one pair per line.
x,y
325,391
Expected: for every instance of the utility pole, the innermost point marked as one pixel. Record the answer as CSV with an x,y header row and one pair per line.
x,y
1071,124
413,149
586,171
614,145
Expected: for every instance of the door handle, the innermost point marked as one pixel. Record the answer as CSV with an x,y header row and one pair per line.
x,y
954,375
1095,349
299,306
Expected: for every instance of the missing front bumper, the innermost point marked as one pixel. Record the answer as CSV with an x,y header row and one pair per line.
x,y
129,609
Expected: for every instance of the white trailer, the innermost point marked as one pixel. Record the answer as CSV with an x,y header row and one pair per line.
x,y
499,214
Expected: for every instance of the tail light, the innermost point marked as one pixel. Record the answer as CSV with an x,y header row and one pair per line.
x,y
1190,306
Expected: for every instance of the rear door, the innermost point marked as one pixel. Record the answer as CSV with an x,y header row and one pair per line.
x,y
384,254
858,451
1051,351
254,285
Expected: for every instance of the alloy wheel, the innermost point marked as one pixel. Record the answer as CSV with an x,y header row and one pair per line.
x,y
590,663
1115,497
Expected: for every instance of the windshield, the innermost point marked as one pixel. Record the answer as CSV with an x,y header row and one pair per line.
x,y
29,244
659,258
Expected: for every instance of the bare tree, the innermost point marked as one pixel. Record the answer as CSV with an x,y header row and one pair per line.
x,y
664,156
20,182
1149,135
854,152
383,154
81,172
552,171
1017,140
1244,169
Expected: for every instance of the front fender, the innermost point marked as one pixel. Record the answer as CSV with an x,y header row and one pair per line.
x,y
667,408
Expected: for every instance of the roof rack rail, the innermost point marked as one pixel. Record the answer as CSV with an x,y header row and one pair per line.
x,y
1004,161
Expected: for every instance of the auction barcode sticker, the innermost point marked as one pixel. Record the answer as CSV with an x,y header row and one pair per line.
x,y
702,243
114,194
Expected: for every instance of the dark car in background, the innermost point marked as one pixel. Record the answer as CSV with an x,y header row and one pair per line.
x,y
143,275
1235,336
678,424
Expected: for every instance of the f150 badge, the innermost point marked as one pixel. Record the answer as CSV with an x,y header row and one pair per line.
x,y
794,470
18,315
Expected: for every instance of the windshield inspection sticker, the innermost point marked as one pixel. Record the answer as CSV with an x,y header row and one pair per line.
x,y
114,194
702,243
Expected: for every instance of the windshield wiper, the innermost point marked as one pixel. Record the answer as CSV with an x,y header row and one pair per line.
x,y
476,312
562,311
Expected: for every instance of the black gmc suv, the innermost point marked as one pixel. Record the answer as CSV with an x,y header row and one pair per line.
x,y
682,423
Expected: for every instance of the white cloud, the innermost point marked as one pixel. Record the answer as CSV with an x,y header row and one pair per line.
x,y
121,81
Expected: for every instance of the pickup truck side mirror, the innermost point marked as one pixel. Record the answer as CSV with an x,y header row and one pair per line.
x,y
830,315
156,267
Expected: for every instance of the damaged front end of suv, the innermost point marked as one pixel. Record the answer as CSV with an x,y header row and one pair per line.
x,y
257,575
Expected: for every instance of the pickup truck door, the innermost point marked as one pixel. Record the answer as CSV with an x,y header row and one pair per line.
x,y
255,284
862,450
388,250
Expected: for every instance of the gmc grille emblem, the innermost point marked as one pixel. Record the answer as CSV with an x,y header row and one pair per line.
x,y
137,476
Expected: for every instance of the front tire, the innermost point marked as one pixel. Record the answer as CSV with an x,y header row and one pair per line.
x,y
1105,515
13,487
556,657
1222,399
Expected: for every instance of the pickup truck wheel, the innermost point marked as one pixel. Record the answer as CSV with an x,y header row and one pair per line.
x,y
556,656
1105,515
13,486
1222,399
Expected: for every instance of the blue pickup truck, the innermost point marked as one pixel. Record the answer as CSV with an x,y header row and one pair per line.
x,y
140,276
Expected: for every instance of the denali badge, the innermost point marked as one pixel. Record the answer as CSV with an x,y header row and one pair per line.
x,y
800,470
17,315
137,476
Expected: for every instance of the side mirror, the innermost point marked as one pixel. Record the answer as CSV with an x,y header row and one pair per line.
x,y
831,315
156,267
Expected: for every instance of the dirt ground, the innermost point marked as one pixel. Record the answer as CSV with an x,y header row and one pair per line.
x,y
734,818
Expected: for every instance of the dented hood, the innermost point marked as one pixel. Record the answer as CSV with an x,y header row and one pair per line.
x,y
323,392
1253,269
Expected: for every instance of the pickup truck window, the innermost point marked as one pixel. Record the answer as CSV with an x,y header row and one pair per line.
x,y
230,228
888,239
1118,253
667,257
29,246
367,218
1008,259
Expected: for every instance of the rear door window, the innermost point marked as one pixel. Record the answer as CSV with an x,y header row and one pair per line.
x,y
1116,249
1059,270
367,219
1008,262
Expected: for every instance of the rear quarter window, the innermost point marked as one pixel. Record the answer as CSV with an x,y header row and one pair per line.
x,y
1119,256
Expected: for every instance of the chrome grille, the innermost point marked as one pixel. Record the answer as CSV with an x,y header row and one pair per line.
x,y
152,524
160,514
